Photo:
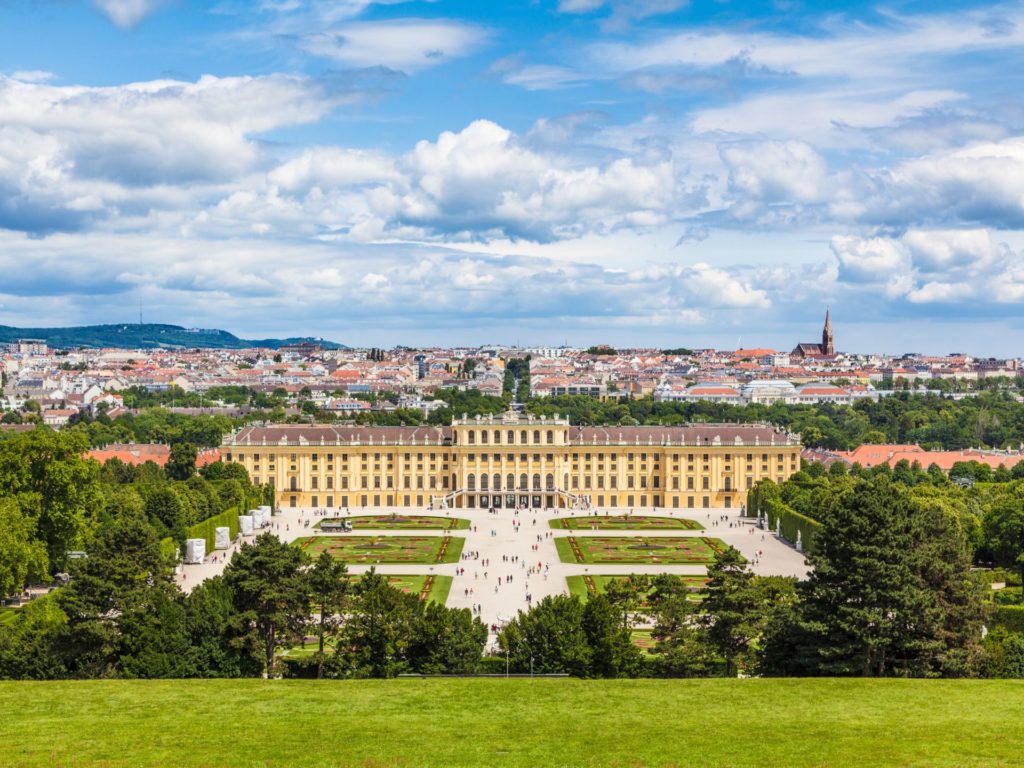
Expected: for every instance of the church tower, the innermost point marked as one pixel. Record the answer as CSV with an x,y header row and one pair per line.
x,y
827,346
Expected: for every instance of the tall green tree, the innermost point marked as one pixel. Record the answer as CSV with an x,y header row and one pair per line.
x,y
329,591
447,641
379,628
116,603
22,557
182,463
270,594
612,651
550,638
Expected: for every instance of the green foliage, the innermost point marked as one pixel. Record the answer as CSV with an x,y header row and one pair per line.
x,y
550,637
1010,618
207,528
269,595
23,558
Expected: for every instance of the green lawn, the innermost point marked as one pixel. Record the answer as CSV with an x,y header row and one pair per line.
x,y
625,523
578,585
632,550
369,550
440,586
519,722
402,522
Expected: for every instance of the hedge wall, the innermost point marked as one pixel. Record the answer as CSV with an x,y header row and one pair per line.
x,y
205,529
763,497
792,522
1010,617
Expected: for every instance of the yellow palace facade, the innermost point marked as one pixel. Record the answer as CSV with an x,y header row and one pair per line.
x,y
512,461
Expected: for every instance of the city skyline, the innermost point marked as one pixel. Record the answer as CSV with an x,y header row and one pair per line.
x,y
652,174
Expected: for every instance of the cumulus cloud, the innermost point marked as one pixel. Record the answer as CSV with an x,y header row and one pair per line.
x,y
775,171
933,266
69,154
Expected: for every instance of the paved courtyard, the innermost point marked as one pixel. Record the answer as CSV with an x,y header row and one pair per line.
x,y
514,536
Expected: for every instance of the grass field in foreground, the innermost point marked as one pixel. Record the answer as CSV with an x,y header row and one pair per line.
x,y
625,523
634,550
368,550
517,722
401,522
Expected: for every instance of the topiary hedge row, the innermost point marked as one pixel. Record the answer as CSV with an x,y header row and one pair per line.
x,y
206,529
764,498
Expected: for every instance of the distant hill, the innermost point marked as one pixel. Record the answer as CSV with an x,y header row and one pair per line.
x,y
147,336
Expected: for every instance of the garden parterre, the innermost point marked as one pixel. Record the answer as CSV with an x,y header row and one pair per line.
x,y
370,550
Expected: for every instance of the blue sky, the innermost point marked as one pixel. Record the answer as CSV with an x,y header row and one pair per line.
x,y
653,172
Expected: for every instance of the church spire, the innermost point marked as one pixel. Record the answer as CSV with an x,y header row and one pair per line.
x,y
827,345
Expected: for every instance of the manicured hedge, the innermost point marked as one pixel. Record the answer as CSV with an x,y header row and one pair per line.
x,y
790,522
1010,617
206,529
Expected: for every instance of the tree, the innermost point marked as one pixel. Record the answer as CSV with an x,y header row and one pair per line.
x,y
31,646
379,628
22,557
182,463
117,601
729,609
549,638
217,645
612,651
269,594
44,471
446,641
627,593
329,590
889,594
1004,534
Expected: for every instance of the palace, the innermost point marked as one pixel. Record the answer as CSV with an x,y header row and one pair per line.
x,y
513,460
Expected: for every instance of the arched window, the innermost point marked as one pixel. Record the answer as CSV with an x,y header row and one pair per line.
x,y
524,482
471,482
510,482
536,436
483,436
510,437
497,481
536,482
483,482
551,482
523,438
472,437
497,436
551,437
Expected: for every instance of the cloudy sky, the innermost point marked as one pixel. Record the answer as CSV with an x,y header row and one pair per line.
x,y
638,172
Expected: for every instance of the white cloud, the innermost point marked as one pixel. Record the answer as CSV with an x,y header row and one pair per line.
x,y
405,44
775,171
127,13
933,266
68,150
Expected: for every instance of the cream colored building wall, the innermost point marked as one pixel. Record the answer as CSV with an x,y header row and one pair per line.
x,y
617,476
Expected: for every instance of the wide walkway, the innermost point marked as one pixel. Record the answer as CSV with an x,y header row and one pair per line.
x,y
501,549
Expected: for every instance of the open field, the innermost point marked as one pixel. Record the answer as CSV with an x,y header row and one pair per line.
x,y
585,586
691,550
625,523
402,522
368,550
517,722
